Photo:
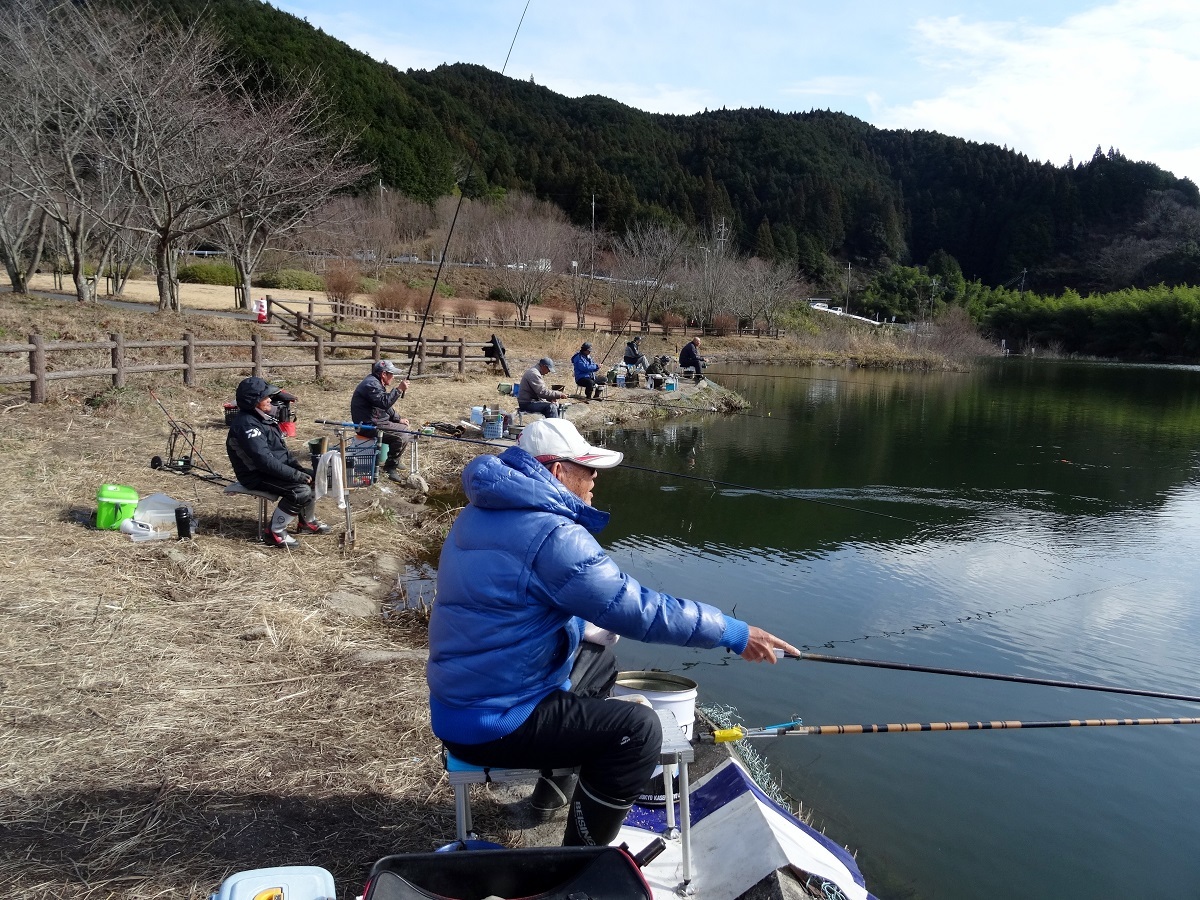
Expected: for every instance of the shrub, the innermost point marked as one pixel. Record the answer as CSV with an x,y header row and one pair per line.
x,y
670,320
466,308
290,280
341,283
208,273
618,316
558,320
393,296
724,324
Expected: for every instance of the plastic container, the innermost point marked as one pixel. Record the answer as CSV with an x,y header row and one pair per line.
x,y
493,426
620,379
664,691
158,511
114,504
361,459
300,882
671,384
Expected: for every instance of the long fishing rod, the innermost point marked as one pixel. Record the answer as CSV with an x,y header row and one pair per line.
x,y
791,729
991,676
461,194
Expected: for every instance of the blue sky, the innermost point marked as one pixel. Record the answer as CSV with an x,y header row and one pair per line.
x,y
1051,79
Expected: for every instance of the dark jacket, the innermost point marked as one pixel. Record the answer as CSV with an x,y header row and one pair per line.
x,y
255,444
690,358
633,354
519,576
371,404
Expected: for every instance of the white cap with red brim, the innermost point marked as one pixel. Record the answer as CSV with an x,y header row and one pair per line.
x,y
551,440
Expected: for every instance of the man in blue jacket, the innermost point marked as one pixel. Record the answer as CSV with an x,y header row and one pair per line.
x,y
585,370
520,579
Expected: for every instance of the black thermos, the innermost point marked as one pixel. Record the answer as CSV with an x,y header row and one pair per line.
x,y
183,522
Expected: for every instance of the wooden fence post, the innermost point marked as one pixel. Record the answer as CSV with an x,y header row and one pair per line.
x,y
37,368
421,356
320,356
256,354
378,348
310,307
445,345
462,355
189,359
270,304
118,358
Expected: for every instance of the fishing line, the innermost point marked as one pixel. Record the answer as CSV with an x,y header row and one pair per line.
x,y
458,206
787,377
991,676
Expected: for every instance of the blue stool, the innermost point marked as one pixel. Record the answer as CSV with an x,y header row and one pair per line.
x,y
463,774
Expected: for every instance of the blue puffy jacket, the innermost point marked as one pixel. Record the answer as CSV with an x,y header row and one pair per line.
x,y
519,576
585,366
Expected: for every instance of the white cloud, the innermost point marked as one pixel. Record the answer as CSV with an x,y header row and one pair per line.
x,y
1120,75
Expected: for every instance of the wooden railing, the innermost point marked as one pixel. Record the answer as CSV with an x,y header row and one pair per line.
x,y
188,352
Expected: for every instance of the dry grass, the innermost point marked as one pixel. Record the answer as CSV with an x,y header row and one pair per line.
x,y
176,711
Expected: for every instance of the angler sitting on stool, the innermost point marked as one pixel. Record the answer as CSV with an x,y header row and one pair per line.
x,y
585,371
520,639
373,404
634,357
533,395
690,360
262,462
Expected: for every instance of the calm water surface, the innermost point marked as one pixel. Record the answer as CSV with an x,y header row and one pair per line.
x,y
1039,519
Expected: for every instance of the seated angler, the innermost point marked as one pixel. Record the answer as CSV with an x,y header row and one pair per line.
x,y
520,639
690,360
585,369
533,396
373,404
262,462
634,357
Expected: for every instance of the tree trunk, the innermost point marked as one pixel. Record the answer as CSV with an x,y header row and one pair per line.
x,y
242,294
168,296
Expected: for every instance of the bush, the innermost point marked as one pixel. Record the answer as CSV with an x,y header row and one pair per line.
x,y
393,296
670,320
341,283
290,280
558,320
209,273
618,316
466,308
725,324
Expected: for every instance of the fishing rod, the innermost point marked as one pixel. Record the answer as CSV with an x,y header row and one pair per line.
x,y
737,733
457,208
991,676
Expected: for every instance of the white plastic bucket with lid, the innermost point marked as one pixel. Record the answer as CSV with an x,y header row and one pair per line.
x,y
663,691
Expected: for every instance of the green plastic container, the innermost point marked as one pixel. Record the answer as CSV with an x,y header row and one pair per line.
x,y
114,504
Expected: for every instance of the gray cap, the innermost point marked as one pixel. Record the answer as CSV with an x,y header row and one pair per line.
x,y
384,366
547,362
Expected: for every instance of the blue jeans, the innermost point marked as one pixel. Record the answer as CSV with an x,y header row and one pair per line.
x,y
545,407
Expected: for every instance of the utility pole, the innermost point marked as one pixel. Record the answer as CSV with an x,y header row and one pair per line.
x,y
592,264
847,287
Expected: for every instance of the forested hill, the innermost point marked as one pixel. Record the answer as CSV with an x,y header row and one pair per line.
x,y
813,187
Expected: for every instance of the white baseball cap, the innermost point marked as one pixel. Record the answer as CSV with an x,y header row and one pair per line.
x,y
551,440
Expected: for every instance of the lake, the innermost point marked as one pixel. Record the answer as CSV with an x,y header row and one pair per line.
x,y
1032,518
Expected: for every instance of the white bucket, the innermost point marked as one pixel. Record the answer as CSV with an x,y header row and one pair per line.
x,y
664,691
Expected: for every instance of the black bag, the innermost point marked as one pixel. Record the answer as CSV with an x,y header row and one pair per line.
x,y
539,873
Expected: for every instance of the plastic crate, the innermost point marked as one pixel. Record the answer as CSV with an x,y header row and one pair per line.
x,y
493,426
361,459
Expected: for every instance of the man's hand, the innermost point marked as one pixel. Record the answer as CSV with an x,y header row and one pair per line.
x,y
762,646
403,387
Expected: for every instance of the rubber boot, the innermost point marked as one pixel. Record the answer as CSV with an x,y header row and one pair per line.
x,y
593,819
551,793
277,535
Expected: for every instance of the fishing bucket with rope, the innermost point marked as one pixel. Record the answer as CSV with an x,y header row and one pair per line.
x,y
665,691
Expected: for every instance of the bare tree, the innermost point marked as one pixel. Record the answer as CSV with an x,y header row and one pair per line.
x,y
524,243
712,282
54,95
646,258
581,246
22,238
768,289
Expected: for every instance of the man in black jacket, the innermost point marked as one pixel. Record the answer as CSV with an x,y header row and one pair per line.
x,y
690,360
372,404
262,462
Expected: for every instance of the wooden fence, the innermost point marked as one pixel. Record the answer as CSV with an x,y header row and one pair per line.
x,y
319,356
291,314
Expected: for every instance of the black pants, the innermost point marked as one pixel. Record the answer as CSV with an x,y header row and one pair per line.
x,y
294,499
589,384
615,745
396,442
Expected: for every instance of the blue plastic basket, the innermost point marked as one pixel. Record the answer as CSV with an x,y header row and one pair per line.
x,y
493,426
